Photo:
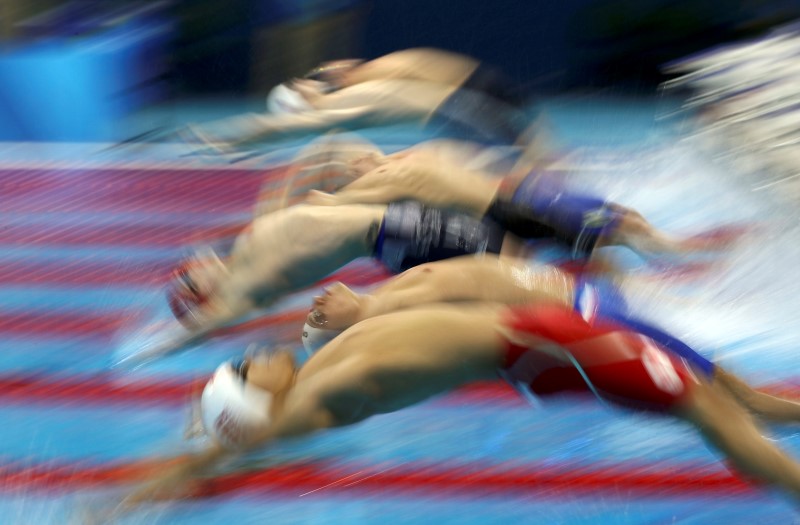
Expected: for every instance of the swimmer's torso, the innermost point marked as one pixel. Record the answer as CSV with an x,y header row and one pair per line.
x,y
422,64
407,356
490,278
522,282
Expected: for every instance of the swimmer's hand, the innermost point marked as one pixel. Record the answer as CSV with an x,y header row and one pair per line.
x,y
174,481
157,341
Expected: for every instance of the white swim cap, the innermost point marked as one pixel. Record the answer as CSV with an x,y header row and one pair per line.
x,y
315,338
231,407
283,99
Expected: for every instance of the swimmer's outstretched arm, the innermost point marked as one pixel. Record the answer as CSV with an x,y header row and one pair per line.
x,y
253,127
270,199
434,184
312,160
175,480
304,410
188,338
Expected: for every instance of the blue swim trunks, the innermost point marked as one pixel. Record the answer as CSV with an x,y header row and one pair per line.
x,y
412,234
574,215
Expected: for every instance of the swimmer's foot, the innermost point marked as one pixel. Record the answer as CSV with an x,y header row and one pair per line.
x,y
339,307
684,271
717,239
699,255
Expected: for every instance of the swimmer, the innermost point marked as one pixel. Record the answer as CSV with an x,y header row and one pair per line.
x,y
294,248
426,64
513,282
326,164
294,114
415,86
534,186
393,361
333,161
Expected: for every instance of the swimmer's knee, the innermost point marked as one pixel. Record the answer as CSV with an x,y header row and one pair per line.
x,y
629,228
707,404
696,405
632,221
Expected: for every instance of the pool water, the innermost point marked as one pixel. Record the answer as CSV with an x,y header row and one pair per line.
x,y
89,235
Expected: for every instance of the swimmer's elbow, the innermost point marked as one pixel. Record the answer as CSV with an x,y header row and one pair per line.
x,y
308,417
317,413
325,418
331,402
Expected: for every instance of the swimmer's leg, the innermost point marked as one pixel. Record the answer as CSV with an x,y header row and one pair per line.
x,y
730,428
587,222
763,405
766,406
631,229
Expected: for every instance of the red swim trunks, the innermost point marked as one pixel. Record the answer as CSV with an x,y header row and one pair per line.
x,y
552,349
